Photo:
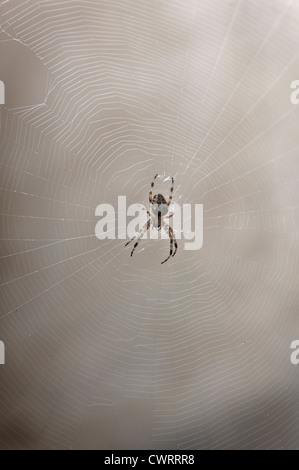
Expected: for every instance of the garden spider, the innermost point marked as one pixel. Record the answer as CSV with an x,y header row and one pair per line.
x,y
159,209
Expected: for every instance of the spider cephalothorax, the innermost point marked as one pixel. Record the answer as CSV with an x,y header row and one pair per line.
x,y
159,209
159,205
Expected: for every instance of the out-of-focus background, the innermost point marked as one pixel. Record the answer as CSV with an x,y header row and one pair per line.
x,y
105,351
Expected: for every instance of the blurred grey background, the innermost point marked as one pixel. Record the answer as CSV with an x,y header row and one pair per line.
x,y
105,351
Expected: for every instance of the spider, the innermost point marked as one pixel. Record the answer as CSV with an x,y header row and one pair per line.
x,y
159,209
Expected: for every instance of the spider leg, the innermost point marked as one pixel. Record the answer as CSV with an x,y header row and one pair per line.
x,y
170,252
139,235
172,240
171,191
151,191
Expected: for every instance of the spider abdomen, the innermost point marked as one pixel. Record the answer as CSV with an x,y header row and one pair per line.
x,y
159,205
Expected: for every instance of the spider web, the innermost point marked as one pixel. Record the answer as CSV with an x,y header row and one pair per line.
x,y
111,352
